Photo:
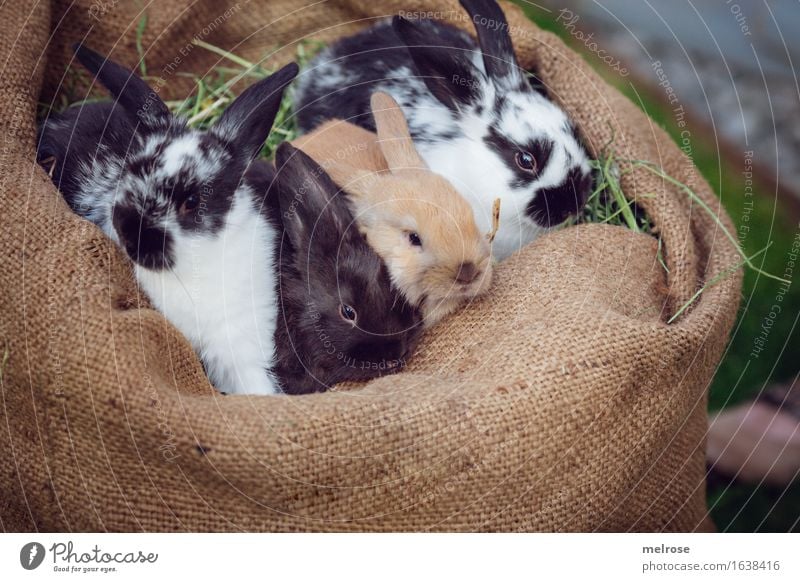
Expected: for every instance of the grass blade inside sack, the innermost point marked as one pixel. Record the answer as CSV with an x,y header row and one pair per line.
x,y
472,112
416,221
188,208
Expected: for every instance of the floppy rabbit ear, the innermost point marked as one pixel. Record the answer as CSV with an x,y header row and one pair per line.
x,y
139,101
499,59
311,205
394,139
246,123
447,72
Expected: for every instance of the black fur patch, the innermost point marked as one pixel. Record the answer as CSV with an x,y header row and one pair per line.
x,y
104,132
324,263
552,206
490,24
507,151
140,102
248,120
141,167
447,71
148,245
377,53
536,84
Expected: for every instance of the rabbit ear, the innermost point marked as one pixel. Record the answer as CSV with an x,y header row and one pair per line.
x,y
499,59
394,139
137,98
312,208
448,72
247,122
359,184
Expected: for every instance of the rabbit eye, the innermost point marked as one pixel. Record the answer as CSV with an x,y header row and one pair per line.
x,y
189,204
526,161
414,239
347,312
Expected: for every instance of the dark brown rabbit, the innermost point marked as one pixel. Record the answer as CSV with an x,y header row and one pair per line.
x,y
339,316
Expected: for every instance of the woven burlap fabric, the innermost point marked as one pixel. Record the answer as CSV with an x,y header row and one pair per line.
x,y
562,401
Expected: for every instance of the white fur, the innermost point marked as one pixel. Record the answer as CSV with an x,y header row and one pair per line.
x,y
175,154
99,188
478,176
221,294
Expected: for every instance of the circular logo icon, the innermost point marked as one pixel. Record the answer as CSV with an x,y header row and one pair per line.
x,y
31,555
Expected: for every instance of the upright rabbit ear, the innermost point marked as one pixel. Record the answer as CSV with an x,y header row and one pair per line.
x,y
448,72
394,138
312,208
247,122
499,59
139,101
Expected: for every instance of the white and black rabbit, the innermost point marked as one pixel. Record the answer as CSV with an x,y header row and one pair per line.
x,y
472,112
340,318
173,198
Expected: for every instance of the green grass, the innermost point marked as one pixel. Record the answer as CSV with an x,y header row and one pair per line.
x,y
216,91
212,94
740,377
606,203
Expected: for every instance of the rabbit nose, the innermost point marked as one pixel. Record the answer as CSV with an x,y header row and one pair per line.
x,y
146,244
467,273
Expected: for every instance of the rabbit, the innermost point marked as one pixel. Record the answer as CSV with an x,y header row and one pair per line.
x,y
174,200
474,116
340,319
416,221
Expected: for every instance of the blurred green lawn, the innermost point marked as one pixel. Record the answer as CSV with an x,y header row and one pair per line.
x,y
737,507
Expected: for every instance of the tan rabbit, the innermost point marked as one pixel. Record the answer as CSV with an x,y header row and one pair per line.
x,y
417,222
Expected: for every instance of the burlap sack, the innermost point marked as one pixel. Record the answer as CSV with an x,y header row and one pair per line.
x,y
563,401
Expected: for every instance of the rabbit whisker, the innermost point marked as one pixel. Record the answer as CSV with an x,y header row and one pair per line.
x,y
182,285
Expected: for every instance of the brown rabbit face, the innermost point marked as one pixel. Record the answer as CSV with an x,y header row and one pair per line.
x,y
428,238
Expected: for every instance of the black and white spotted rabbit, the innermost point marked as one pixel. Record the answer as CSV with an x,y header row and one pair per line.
x,y
472,112
173,199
